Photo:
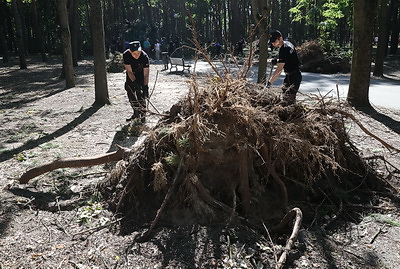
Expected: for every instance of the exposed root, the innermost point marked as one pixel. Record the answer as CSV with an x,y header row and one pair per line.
x,y
75,162
167,198
293,237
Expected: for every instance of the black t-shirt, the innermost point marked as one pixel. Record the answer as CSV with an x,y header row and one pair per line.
x,y
288,55
136,64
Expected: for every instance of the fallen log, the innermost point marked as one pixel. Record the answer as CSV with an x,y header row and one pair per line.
x,y
120,154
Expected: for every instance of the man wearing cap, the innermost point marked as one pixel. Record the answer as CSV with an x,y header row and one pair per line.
x,y
137,69
289,63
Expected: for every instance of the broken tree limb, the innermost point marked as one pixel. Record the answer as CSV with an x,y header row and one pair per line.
x,y
75,162
350,116
293,237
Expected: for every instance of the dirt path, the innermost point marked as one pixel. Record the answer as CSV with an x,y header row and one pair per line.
x,y
59,221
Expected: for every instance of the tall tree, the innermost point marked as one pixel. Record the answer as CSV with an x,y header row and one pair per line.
x,y
66,48
38,31
234,22
363,18
383,34
20,41
395,27
261,11
3,23
74,27
99,53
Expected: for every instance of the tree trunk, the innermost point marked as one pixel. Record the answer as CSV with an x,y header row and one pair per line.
x,y
3,29
363,18
21,7
99,53
261,10
3,45
383,34
395,27
38,31
66,48
20,41
74,25
234,22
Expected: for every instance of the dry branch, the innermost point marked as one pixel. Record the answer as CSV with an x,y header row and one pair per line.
x,y
75,162
349,115
293,237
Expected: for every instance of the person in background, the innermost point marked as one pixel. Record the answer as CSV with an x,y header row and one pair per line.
x,y
137,68
147,46
289,63
157,49
239,47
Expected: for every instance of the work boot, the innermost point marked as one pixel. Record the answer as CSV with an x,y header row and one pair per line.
x,y
134,116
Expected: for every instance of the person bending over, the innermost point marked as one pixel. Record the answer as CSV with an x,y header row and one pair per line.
x,y
289,63
137,68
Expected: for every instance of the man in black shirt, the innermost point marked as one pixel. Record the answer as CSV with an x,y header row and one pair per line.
x,y
136,64
289,63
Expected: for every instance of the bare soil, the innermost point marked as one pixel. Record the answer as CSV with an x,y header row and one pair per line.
x,y
59,220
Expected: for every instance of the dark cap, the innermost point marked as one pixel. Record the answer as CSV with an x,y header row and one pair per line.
x,y
135,45
274,35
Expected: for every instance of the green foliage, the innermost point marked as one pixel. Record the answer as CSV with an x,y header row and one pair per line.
x,y
90,214
163,132
184,142
385,219
24,156
324,17
172,159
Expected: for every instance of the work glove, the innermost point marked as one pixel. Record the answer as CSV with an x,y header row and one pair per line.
x,y
274,61
145,90
268,85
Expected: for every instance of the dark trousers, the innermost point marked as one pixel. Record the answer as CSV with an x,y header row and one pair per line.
x,y
136,97
291,85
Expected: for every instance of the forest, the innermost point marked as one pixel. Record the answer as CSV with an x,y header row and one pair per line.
x,y
36,23
73,29
220,174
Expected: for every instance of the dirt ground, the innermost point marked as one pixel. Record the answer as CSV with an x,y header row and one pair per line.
x,y
59,220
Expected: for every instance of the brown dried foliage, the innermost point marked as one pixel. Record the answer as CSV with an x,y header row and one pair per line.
x,y
307,147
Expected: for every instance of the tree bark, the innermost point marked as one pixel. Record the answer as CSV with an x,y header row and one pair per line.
x,y
383,34
66,48
20,41
395,27
74,25
363,19
3,24
38,31
261,11
74,162
99,53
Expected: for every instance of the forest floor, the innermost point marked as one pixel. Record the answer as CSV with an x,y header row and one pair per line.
x,y
58,220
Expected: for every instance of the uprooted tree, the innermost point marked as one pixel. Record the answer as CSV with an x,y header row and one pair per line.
x,y
229,149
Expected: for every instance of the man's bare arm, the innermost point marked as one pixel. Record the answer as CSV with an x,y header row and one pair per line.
x,y
277,72
128,69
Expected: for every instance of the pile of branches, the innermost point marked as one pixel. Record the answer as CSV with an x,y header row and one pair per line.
x,y
313,58
115,64
229,149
